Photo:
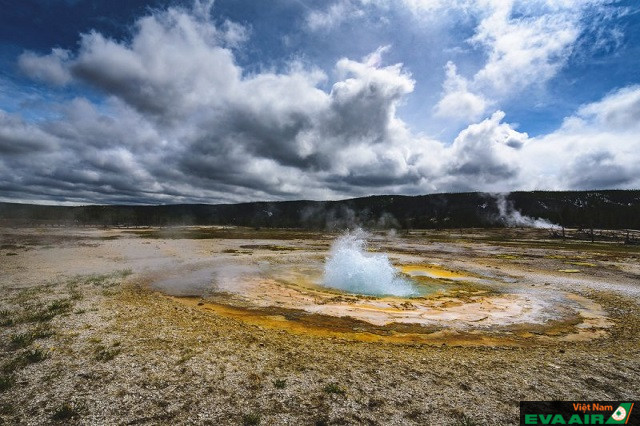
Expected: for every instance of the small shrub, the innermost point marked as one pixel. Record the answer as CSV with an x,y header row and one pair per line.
x,y
105,354
6,409
6,319
251,419
464,420
31,356
124,273
96,280
107,280
54,308
5,382
334,388
11,366
21,340
279,383
39,316
65,412
41,333
59,306
35,355
185,357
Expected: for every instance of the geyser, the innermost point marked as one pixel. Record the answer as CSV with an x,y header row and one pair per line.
x,y
350,268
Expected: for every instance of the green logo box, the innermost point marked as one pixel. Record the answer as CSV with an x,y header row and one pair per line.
x,y
579,413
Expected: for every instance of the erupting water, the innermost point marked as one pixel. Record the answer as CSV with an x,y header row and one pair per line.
x,y
350,268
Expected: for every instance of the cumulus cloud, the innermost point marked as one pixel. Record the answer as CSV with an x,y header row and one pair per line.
x,y
174,64
457,101
525,44
18,137
48,68
181,121
596,148
618,111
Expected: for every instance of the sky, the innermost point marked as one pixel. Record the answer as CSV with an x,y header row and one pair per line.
x,y
163,102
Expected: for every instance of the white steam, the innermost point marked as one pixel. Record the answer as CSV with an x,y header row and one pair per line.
x,y
512,217
350,268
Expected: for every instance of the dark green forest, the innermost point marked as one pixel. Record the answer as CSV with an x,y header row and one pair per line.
x,y
615,209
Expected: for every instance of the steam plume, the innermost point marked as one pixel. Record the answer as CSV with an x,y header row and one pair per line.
x,y
512,217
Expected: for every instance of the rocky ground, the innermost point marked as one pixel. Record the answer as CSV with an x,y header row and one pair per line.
x,y
84,339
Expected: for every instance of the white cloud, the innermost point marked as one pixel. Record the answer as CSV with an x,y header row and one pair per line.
x,y
422,6
333,16
485,155
457,101
49,68
182,121
526,50
596,148
525,45
618,111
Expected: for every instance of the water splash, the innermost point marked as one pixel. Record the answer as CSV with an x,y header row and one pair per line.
x,y
351,268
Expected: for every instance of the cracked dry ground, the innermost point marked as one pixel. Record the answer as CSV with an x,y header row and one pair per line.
x,y
84,341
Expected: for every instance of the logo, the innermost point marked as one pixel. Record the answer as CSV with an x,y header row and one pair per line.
x,y
621,415
578,413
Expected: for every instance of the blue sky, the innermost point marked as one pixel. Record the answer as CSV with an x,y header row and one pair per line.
x,y
180,101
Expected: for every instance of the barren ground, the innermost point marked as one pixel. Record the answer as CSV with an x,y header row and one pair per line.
x,y
228,326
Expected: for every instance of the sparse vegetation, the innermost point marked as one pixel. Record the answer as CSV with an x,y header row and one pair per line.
x,y
251,419
333,388
6,319
59,306
39,316
105,280
215,372
102,353
6,382
33,356
9,367
75,295
22,340
6,409
54,309
186,356
66,411
9,247
465,420
279,383
97,280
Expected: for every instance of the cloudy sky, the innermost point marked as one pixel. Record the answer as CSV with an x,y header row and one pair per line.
x,y
161,101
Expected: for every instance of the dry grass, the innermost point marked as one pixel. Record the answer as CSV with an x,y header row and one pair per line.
x,y
101,348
